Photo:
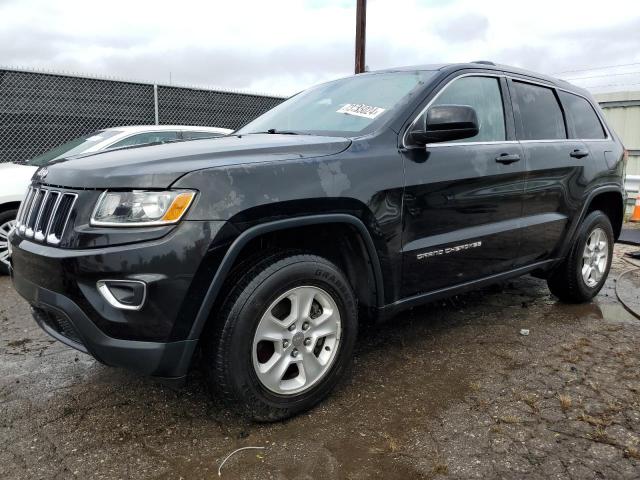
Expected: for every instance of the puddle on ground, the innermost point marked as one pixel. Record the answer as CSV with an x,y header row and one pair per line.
x,y
610,312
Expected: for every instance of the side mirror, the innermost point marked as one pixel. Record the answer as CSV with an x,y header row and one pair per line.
x,y
444,123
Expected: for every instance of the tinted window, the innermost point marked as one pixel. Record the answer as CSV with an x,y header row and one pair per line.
x,y
145,138
197,135
585,120
540,113
483,94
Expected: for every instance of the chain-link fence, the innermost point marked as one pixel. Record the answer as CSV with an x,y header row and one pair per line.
x,y
39,111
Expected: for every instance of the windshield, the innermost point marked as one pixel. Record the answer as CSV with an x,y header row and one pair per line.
x,y
345,107
73,147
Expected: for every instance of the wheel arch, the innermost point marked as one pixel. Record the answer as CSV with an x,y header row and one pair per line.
x,y
611,202
611,199
258,231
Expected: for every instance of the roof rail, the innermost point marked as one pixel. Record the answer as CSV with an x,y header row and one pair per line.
x,y
484,62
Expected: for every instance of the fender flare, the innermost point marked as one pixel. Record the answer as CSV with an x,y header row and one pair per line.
x,y
571,236
245,237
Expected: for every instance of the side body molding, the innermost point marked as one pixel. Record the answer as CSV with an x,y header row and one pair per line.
x,y
249,234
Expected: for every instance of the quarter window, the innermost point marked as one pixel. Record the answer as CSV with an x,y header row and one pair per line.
x,y
540,114
585,121
484,95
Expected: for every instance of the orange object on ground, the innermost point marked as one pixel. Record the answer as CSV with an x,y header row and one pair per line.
x,y
635,216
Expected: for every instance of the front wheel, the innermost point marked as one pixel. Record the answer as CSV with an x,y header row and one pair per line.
x,y
7,224
285,337
582,274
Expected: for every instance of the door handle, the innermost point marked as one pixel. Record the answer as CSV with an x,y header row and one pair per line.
x,y
579,153
507,158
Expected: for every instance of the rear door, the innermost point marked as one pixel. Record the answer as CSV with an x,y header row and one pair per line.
x,y
585,124
463,199
555,181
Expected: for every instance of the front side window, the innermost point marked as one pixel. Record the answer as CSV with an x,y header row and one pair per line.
x,y
483,94
540,114
585,121
146,138
347,107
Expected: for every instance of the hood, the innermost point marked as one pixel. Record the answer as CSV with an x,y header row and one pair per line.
x,y
161,165
14,180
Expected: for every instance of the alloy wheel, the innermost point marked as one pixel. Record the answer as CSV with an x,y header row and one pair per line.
x,y
595,257
296,340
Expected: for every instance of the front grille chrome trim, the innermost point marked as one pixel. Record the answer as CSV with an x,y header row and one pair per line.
x,y
25,208
40,219
36,226
51,237
43,229
33,214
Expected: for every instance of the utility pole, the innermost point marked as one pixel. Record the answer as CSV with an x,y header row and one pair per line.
x,y
361,27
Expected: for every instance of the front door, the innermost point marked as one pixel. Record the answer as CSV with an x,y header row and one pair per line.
x,y
463,199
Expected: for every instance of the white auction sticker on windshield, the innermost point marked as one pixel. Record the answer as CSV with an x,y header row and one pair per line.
x,y
361,110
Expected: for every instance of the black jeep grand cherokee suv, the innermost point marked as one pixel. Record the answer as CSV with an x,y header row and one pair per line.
x,y
365,195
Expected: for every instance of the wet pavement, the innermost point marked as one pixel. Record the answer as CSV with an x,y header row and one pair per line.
x,y
451,390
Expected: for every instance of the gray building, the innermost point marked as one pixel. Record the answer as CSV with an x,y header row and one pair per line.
x,y
622,110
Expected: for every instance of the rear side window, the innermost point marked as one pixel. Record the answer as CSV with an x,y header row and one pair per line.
x,y
483,94
196,135
540,114
146,138
585,120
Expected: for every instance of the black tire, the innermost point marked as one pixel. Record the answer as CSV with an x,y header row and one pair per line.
x,y
5,217
227,348
566,281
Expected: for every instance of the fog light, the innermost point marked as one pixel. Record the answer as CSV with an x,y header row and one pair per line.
x,y
123,294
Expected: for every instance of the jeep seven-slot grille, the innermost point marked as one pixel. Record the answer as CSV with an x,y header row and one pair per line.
x,y
44,214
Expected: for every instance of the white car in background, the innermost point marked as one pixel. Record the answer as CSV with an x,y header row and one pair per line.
x,y
15,177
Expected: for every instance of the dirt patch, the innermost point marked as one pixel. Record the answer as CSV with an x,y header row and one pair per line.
x,y
452,390
18,343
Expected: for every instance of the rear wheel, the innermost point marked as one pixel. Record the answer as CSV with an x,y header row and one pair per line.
x,y
285,337
7,224
583,273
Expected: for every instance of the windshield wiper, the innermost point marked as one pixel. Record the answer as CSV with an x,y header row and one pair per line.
x,y
273,131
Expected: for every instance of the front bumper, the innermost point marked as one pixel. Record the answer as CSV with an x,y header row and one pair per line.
x,y
61,318
61,286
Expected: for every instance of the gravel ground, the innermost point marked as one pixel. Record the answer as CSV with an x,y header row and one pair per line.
x,y
451,390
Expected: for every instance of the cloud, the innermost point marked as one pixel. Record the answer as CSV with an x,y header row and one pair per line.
x,y
464,29
286,45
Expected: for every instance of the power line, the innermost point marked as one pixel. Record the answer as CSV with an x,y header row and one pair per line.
x,y
597,68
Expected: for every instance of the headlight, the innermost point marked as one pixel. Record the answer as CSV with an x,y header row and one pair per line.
x,y
140,208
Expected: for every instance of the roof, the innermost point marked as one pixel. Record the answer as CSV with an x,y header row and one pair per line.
x,y
485,65
164,128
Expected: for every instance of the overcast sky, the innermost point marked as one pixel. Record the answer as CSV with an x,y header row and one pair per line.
x,y
282,46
